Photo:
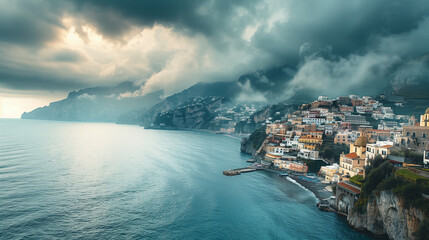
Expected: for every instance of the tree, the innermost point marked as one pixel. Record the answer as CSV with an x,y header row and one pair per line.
x,y
377,161
375,177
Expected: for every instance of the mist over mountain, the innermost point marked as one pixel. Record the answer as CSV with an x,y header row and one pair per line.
x,y
407,79
410,79
98,104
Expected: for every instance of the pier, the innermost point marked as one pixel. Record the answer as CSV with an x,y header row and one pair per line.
x,y
238,171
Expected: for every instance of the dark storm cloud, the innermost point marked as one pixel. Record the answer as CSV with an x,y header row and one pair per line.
x,y
28,23
30,79
346,26
113,18
336,42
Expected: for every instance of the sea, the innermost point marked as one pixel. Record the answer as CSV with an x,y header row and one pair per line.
x,y
71,180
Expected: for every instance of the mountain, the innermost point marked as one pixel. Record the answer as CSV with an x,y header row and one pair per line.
x,y
272,112
98,104
196,113
409,84
227,90
411,79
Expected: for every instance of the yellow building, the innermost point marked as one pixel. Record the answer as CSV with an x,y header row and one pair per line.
x,y
329,172
359,147
416,136
424,119
353,163
311,140
276,128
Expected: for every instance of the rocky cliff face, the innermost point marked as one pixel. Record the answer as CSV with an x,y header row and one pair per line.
x,y
246,146
252,143
227,90
385,214
272,112
197,113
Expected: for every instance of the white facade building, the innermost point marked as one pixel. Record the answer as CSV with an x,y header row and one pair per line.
x,y
381,148
308,154
316,121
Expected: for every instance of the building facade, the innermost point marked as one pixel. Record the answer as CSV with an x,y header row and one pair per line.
x,y
424,119
353,163
379,148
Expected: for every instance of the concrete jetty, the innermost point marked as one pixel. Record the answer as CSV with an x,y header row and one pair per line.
x,y
238,171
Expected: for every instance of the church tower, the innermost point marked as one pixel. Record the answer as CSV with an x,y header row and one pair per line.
x,y
359,147
424,119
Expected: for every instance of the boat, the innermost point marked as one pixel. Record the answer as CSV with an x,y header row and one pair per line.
x,y
283,174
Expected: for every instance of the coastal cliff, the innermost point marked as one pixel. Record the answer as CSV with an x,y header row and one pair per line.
x,y
272,113
196,113
97,104
386,214
252,143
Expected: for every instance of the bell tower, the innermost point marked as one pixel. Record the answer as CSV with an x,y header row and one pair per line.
x,y
424,119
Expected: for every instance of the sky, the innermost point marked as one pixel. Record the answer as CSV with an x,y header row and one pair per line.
x,y
49,48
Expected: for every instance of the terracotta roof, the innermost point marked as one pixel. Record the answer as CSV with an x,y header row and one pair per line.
x,y
348,187
387,146
352,155
379,130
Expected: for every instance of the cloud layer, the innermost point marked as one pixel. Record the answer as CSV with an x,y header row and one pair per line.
x,y
334,47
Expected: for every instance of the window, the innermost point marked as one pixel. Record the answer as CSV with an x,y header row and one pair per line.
x,y
414,134
424,135
408,133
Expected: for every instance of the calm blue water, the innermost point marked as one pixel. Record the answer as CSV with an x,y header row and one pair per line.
x,y
106,181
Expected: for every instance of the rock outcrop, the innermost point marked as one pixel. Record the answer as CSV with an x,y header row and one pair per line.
x,y
386,214
196,113
252,143
246,146
272,113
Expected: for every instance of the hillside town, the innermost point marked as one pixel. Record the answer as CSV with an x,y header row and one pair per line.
x,y
363,124
344,137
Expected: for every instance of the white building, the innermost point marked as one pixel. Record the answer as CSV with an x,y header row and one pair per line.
x,y
308,154
381,148
292,142
323,98
366,99
329,172
354,97
316,121
279,151
329,130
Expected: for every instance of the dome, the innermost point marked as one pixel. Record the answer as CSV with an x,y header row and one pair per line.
x,y
427,111
360,142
